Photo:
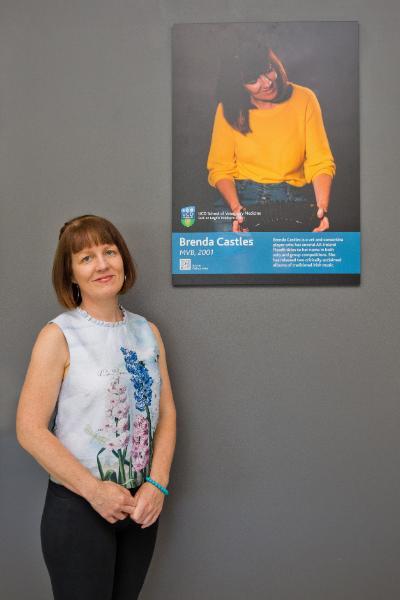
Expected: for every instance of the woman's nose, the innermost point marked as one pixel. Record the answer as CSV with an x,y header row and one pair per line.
x,y
101,262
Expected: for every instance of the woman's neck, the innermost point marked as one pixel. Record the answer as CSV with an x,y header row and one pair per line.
x,y
107,310
262,105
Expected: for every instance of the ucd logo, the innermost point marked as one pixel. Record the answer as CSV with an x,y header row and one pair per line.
x,y
188,216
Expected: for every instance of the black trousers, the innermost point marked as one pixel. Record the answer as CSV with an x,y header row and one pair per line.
x,y
89,558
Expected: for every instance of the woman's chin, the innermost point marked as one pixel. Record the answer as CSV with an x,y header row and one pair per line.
x,y
268,96
108,293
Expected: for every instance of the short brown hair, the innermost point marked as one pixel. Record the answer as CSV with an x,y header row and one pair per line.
x,y
79,233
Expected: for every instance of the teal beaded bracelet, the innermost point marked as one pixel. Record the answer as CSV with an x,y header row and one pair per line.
x,y
158,486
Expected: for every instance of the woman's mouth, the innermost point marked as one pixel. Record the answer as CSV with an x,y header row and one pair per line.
x,y
268,89
104,279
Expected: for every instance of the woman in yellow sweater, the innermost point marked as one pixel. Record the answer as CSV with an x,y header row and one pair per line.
x,y
268,142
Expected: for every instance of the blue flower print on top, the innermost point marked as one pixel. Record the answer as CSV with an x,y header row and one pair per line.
x,y
140,378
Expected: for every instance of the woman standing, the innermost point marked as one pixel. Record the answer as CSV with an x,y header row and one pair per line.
x,y
268,142
102,371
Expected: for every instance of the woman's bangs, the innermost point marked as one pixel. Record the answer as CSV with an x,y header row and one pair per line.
x,y
89,234
252,70
253,62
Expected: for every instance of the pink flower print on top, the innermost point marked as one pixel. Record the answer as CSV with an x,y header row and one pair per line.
x,y
115,430
120,411
140,457
123,424
118,443
116,415
140,443
140,428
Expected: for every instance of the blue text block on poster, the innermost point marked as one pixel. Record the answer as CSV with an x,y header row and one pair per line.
x,y
266,252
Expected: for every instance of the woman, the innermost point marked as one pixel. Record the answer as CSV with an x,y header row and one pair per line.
x,y
268,142
110,448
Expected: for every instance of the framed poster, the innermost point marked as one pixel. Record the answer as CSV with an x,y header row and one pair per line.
x,y
266,177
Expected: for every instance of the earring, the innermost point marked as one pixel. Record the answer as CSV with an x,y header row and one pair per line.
x,y
125,277
78,291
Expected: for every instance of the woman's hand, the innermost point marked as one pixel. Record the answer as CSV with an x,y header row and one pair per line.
x,y
322,189
227,189
238,220
149,502
112,501
324,221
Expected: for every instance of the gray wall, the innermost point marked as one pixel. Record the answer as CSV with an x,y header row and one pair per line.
x,y
286,480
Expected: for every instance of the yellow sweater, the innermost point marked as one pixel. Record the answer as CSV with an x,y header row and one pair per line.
x,y
287,143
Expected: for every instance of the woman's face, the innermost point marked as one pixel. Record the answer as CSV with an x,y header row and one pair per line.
x,y
265,87
99,271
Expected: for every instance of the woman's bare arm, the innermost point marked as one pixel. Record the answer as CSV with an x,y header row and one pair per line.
x,y
227,189
36,405
165,435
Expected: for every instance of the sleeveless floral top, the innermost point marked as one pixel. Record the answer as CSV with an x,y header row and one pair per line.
x,y
108,406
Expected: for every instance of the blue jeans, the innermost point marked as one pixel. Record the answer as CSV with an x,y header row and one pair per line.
x,y
273,200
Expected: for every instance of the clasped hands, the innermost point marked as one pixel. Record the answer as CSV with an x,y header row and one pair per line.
x,y
115,503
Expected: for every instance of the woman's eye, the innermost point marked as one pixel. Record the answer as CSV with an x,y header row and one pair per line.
x,y
111,252
85,259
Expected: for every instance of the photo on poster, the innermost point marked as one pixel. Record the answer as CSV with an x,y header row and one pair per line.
x,y
266,176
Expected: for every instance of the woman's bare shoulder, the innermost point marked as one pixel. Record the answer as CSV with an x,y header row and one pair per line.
x,y
51,345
